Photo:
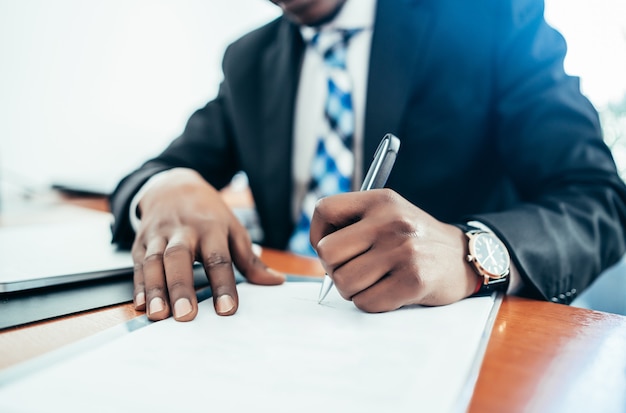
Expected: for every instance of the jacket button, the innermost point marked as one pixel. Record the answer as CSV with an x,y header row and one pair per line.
x,y
568,297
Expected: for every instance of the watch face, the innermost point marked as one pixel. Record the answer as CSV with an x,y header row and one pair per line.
x,y
490,254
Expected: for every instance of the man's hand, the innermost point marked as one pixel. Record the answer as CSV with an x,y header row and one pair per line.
x,y
183,220
383,252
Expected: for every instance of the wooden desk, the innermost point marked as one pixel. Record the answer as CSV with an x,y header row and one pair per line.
x,y
541,357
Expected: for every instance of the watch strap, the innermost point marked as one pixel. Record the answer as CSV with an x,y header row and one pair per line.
x,y
482,289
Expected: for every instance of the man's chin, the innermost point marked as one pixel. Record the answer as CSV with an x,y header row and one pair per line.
x,y
309,12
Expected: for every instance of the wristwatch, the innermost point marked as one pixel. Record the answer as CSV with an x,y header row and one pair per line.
x,y
489,258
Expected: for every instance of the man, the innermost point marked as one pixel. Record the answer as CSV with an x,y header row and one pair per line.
x,y
501,156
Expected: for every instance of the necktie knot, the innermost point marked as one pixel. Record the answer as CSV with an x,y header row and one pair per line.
x,y
332,45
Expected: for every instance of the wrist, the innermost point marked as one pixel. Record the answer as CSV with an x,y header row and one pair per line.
x,y
479,283
154,181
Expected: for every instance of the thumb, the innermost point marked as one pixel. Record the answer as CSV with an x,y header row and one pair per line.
x,y
247,260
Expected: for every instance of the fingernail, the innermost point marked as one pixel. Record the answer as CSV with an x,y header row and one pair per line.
x,y
182,307
156,305
276,273
224,304
140,299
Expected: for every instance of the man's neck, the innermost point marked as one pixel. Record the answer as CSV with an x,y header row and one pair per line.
x,y
329,17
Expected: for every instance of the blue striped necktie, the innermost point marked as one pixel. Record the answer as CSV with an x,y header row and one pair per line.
x,y
333,163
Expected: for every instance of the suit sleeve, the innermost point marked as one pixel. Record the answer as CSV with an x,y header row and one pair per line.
x,y
570,224
205,146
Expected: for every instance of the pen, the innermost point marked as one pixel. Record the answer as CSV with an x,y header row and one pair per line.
x,y
376,177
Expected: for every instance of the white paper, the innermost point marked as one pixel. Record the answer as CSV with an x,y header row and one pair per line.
x,y
281,352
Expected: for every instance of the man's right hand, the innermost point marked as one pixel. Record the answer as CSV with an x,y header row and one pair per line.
x,y
183,220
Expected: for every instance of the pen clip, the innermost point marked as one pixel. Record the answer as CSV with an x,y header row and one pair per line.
x,y
384,158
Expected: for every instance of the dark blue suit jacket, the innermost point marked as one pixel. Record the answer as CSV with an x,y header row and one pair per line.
x,y
491,128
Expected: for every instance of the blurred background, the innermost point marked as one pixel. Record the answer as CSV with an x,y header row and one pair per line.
x,y
88,90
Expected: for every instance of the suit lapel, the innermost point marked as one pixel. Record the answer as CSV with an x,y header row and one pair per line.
x,y
400,31
280,69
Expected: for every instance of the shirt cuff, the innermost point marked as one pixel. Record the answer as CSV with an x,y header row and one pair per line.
x,y
479,225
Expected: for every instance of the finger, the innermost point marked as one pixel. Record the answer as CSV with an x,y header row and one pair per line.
x,y
335,212
249,263
157,303
361,272
402,284
178,261
390,293
138,252
344,245
218,266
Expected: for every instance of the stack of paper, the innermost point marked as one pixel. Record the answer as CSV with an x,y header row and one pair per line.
x,y
281,352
